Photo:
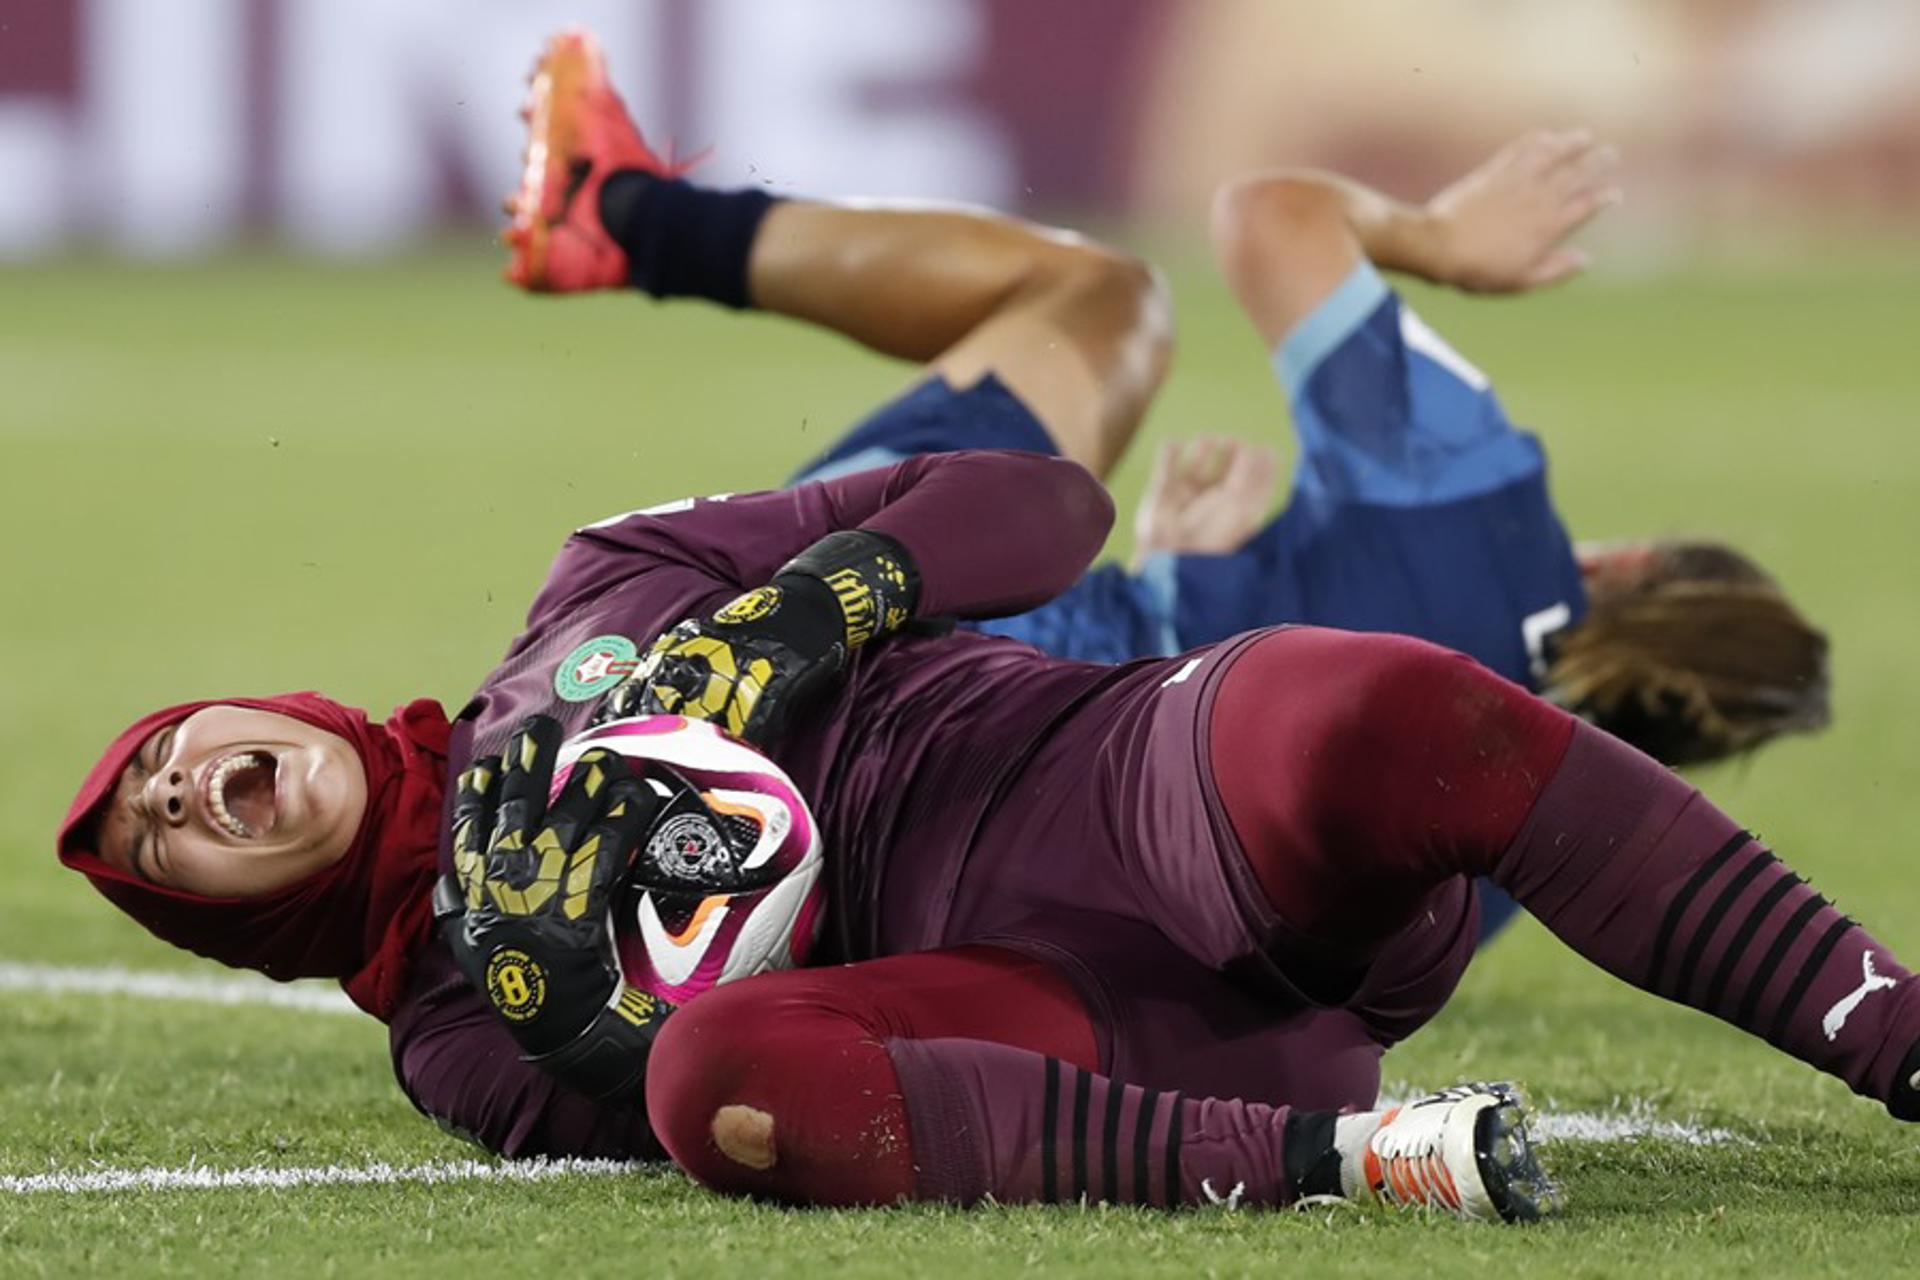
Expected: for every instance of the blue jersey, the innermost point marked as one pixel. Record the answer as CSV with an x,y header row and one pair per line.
x,y
1417,508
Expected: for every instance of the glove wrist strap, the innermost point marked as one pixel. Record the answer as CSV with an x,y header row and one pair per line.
x,y
873,580
608,1060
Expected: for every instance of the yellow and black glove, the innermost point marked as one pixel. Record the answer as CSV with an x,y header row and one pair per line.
x,y
753,666
527,913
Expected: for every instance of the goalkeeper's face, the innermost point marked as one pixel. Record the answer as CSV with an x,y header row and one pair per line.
x,y
234,802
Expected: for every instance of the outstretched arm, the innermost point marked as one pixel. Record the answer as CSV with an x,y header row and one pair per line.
x,y
1289,239
1285,240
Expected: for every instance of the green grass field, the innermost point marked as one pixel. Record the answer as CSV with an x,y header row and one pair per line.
x,y
258,474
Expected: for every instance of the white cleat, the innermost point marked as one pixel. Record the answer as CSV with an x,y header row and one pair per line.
x,y
1463,1150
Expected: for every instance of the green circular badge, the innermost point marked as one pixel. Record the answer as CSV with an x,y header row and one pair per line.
x,y
595,667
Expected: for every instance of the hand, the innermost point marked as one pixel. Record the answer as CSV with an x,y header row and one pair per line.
x,y
756,663
536,882
1204,496
1500,226
748,668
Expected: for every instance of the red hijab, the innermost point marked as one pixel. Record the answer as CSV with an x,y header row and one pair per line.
x,y
360,920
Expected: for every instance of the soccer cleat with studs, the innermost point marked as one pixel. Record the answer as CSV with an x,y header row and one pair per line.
x,y
578,134
1463,1151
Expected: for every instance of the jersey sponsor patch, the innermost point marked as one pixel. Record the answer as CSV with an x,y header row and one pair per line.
x,y
595,667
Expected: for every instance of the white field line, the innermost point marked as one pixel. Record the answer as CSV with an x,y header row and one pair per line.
x,y
1626,1120
198,1178
1635,1121
237,989
1632,1119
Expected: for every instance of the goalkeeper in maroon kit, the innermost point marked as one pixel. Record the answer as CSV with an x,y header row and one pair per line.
x,y
1139,933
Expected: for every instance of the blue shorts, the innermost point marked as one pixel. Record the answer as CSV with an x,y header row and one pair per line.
x,y
933,418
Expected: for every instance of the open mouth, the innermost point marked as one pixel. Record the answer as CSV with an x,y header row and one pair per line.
x,y
240,793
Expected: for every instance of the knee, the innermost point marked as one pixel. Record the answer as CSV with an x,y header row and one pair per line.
x,y
706,1055
1117,308
1134,297
735,1073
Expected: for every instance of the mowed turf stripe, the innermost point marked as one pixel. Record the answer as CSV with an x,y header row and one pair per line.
x,y
199,1178
153,985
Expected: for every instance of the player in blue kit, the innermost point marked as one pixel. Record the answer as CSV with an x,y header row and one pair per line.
x,y
1417,507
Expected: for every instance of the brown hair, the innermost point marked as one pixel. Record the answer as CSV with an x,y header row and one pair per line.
x,y
1704,659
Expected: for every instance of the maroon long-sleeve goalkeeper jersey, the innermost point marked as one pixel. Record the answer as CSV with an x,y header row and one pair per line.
x,y
901,767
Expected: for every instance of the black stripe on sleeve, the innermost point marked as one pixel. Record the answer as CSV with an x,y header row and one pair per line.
x,y
1049,1121
1082,1097
1710,923
1173,1152
1782,943
1808,972
1110,1144
1683,900
1142,1143
1744,939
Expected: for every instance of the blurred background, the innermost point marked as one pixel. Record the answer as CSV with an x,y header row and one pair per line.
x,y
362,126
269,420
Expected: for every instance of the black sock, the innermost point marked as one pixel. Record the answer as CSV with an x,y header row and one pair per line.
x,y
1311,1161
683,241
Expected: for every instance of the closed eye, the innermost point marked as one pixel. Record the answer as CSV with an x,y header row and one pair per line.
x,y
146,761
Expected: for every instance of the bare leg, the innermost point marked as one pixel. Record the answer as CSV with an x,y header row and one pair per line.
x,y
1081,333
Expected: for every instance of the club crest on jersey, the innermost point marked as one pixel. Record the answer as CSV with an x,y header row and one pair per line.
x,y
687,848
595,667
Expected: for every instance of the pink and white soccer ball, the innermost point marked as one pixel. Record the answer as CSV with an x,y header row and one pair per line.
x,y
703,907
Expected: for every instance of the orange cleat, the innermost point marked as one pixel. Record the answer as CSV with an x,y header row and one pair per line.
x,y
578,132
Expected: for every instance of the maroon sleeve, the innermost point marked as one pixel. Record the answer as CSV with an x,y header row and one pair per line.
x,y
995,533
463,1070
992,532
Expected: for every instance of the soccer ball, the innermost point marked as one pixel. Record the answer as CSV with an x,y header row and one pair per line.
x,y
715,895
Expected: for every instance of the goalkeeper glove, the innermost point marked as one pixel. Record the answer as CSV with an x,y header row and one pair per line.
x,y
753,665
527,915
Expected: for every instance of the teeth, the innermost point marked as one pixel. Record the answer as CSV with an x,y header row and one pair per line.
x,y
217,790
